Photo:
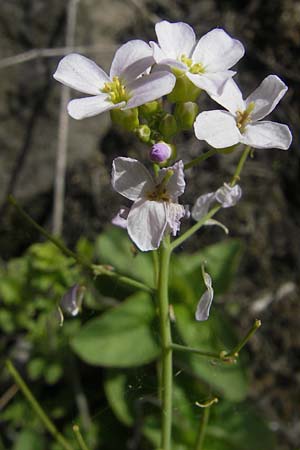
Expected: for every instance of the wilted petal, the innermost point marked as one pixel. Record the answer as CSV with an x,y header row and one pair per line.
x,y
231,97
210,222
267,134
203,307
266,96
212,83
120,219
228,196
131,60
176,184
217,51
72,300
146,224
81,73
130,178
150,87
175,213
202,205
175,39
218,128
82,108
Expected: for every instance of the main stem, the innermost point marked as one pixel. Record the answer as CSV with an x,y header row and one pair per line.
x,y
166,343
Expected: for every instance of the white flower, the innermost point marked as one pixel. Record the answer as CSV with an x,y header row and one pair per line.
x,y
242,123
124,88
155,210
206,63
226,195
204,304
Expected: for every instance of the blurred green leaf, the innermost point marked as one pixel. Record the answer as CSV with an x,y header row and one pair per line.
x,y
29,440
121,337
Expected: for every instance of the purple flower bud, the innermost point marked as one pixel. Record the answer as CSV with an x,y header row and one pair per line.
x,y
160,152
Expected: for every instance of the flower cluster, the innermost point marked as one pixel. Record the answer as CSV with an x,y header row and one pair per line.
x,y
177,68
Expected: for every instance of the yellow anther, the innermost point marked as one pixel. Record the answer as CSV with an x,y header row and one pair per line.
x,y
193,68
116,91
244,117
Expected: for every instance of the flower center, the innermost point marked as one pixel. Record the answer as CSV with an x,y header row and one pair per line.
x,y
244,117
116,91
193,68
160,193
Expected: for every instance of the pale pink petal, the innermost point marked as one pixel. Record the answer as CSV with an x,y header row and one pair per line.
x,y
175,213
266,96
175,39
120,219
131,60
231,97
176,184
217,51
203,307
130,178
81,73
218,128
150,87
212,83
228,196
82,108
146,224
267,134
202,205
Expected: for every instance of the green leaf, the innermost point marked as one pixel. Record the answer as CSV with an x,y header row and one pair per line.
x,y
121,337
214,335
29,440
115,388
115,248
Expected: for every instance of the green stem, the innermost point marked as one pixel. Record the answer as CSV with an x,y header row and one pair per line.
x,y
238,348
166,342
79,438
200,158
96,269
183,348
202,429
216,208
49,425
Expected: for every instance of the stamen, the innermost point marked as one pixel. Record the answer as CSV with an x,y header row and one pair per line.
x,y
116,91
193,68
160,193
243,118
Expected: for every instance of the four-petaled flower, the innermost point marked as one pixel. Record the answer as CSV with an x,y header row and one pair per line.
x,y
206,63
127,86
155,210
242,123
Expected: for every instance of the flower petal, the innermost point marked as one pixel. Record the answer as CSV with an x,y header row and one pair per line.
x,y
176,184
175,39
130,178
81,108
267,134
218,51
81,73
228,196
120,219
231,97
150,87
212,83
131,60
175,213
202,205
218,128
146,224
266,96
203,307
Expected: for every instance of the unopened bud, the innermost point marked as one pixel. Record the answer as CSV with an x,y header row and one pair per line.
x,y
160,152
143,132
148,109
128,119
184,90
185,114
168,126
72,300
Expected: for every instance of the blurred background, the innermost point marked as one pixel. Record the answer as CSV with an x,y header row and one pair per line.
x,y
34,36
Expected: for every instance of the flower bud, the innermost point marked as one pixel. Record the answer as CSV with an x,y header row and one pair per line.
x,y
185,114
148,109
184,90
72,300
128,119
143,132
160,152
168,126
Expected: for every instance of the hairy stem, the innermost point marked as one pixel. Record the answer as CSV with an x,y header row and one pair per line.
x,y
49,425
166,341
